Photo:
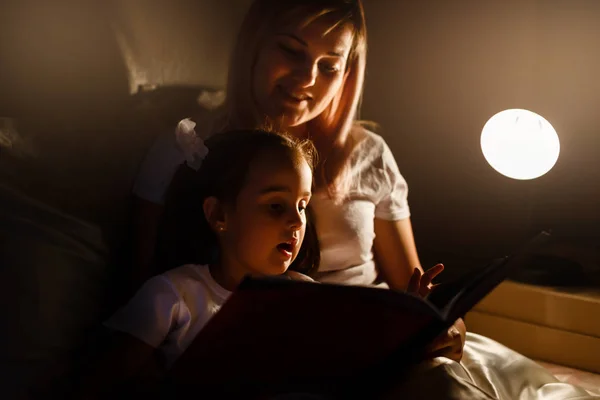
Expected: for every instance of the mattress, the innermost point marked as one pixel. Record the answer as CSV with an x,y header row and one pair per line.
x,y
586,380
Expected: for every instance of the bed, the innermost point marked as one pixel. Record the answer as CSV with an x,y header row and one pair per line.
x,y
584,379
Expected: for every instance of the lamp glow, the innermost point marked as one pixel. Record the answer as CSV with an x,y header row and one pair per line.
x,y
520,144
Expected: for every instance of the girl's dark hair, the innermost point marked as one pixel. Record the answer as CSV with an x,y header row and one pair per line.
x,y
186,236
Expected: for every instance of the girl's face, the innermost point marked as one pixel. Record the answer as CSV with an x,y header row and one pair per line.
x,y
300,70
266,225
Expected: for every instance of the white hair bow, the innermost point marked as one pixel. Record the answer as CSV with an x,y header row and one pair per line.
x,y
190,143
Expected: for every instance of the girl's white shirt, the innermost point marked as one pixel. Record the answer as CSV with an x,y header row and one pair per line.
x,y
169,310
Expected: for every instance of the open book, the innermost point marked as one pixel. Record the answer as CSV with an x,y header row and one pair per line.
x,y
274,332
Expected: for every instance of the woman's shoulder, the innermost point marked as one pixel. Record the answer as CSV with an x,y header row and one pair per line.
x,y
369,146
365,130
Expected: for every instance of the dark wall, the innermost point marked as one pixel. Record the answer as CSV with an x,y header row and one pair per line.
x,y
178,42
438,70
67,72
68,69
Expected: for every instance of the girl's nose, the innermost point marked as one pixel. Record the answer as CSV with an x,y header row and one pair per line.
x,y
296,220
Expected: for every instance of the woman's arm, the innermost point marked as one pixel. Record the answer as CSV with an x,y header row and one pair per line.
x,y
396,256
449,344
146,220
397,259
396,252
150,188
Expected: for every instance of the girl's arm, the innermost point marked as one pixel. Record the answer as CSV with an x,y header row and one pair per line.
x,y
137,329
123,358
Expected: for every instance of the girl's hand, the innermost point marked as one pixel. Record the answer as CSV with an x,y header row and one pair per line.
x,y
420,283
450,344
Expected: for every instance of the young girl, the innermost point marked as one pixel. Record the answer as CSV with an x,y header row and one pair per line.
x,y
251,190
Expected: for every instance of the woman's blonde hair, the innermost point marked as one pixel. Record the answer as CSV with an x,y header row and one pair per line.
x,y
330,130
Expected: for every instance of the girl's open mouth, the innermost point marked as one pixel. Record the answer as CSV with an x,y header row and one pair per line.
x,y
286,248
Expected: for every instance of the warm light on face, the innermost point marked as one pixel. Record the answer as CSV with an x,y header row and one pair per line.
x,y
520,144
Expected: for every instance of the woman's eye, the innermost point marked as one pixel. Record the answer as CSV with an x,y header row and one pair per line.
x,y
276,207
289,50
330,69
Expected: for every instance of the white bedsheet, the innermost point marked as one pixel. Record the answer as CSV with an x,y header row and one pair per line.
x,y
488,370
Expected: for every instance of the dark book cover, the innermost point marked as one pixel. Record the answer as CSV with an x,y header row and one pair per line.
x,y
293,335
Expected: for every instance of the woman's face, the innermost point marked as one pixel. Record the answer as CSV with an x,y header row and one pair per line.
x,y
300,70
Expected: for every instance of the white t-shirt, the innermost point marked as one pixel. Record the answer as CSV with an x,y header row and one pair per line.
x,y
170,309
158,168
346,232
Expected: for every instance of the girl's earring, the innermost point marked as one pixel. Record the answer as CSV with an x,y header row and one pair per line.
x,y
220,227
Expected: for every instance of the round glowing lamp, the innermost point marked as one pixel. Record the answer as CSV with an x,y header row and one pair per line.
x,y
520,144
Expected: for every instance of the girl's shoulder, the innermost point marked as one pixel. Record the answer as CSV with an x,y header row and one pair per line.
x,y
297,276
190,279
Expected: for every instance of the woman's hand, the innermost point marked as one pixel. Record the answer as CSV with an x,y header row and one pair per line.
x,y
420,282
450,344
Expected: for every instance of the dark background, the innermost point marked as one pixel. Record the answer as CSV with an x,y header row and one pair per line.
x,y
437,71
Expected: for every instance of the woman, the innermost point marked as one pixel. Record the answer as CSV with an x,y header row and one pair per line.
x,y
299,65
